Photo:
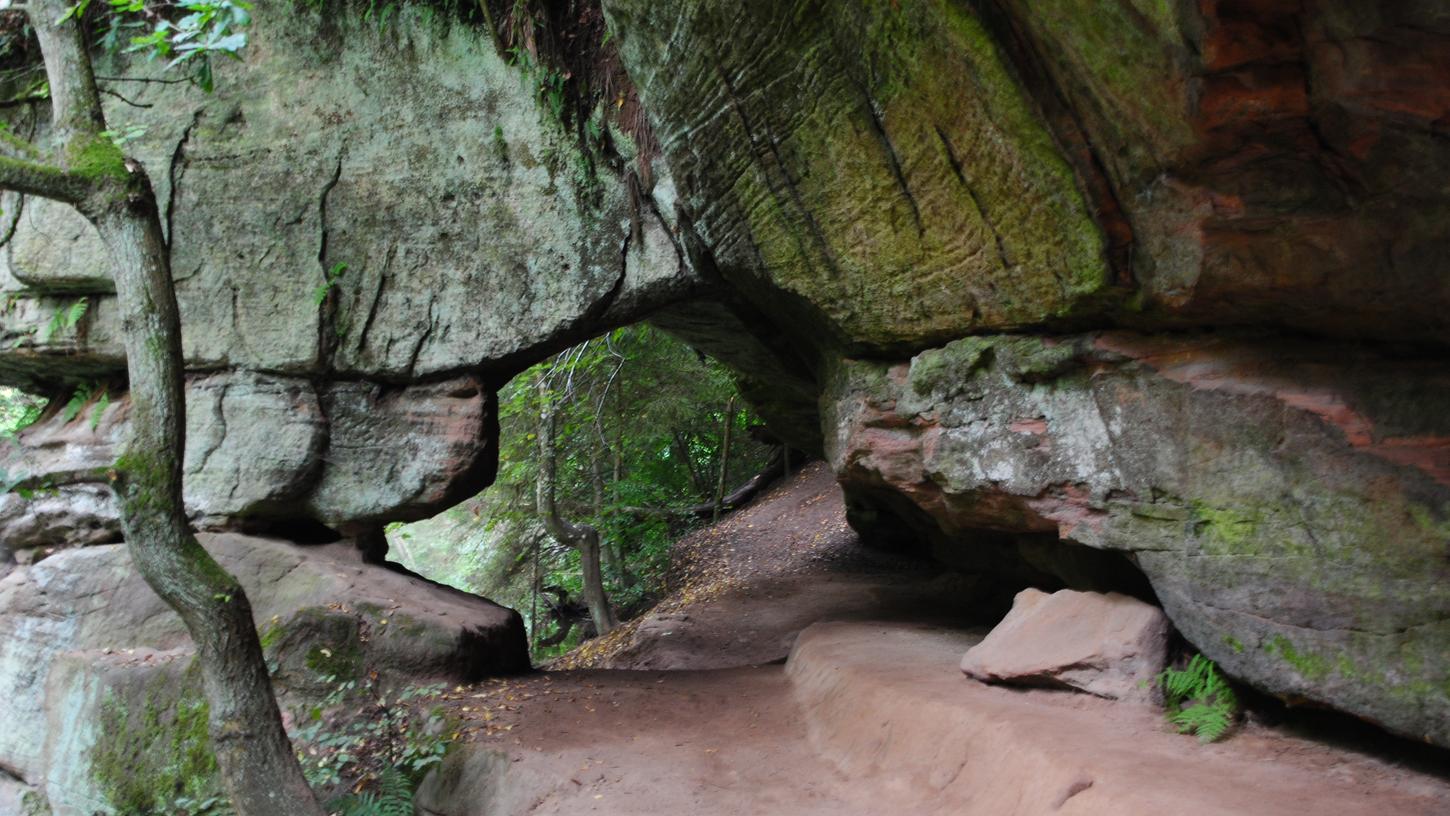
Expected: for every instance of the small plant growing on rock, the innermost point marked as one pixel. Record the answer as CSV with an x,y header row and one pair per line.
x,y
1199,699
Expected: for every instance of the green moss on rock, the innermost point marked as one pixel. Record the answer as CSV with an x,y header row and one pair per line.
x,y
1310,666
151,754
878,161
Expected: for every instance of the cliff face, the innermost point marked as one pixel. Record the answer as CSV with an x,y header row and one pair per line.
x,y
1075,292
1248,198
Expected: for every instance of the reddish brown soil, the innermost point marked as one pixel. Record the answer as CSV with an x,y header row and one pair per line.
x,y
744,588
867,717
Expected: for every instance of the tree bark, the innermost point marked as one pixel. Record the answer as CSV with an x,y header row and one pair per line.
x,y
682,450
724,456
258,768
581,537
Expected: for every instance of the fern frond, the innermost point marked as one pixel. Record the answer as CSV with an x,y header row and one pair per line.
x,y
396,791
1198,699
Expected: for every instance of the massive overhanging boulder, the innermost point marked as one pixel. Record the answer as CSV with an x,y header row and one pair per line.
x,y
880,179
902,174
371,229
1291,506
868,172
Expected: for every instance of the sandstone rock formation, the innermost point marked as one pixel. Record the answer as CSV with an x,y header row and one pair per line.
x,y
1105,295
81,629
1110,645
1230,180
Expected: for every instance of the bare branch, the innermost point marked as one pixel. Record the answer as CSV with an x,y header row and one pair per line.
x,y
132,103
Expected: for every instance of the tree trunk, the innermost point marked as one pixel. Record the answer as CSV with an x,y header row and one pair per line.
x,y
724,456
682,450
581,537
257,766
594,597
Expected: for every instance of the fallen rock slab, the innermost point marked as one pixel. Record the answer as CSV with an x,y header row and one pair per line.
x,y
1106,644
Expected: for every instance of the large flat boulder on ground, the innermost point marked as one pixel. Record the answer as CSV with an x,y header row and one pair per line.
x,y
1102,643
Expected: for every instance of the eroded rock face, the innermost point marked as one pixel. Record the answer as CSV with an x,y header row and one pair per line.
x,y
269,448
919,172
1288,506
81,625
370,231
1108,644
874,169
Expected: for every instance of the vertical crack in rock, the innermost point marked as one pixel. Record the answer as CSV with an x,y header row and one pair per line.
x,y
432,323
362,338
174,171
220,413
326,340
960,173
878,128
327,321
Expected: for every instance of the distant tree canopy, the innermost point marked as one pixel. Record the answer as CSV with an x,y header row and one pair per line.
x,y
17,410
641,421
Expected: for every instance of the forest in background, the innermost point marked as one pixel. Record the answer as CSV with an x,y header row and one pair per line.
x,y
644,425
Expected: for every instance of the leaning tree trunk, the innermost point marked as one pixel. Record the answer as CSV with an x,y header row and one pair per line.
x,y
258,768
581,537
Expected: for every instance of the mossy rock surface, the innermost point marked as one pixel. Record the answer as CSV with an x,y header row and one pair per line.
x,y
876,163
1285,502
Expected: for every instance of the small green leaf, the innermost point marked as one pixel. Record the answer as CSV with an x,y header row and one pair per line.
x,y
101,405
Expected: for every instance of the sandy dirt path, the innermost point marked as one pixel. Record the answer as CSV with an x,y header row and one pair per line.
x,y
870,715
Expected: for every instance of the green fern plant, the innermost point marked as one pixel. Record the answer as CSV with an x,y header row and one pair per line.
x,y
1199,700
394,797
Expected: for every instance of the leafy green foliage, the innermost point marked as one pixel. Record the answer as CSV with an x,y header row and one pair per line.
x,y
186,33
207,29
63,319
329,280
77,401
374,742
1199,700
641,418
394,797
18,410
